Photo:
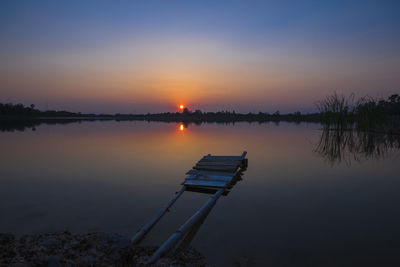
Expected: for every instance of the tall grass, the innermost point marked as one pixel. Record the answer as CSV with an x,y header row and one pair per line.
x,y
367,113
337,109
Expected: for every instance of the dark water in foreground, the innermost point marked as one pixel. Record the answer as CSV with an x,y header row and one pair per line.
x,y
303,201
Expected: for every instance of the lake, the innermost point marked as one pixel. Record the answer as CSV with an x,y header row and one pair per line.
x,y
307,198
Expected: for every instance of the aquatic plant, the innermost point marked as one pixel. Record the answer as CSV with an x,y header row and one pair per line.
x,y
367,113
336,109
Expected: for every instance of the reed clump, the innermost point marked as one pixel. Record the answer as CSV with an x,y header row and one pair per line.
x,y
367,113
336,109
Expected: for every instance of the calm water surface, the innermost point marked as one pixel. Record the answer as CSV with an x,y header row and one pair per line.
x,y
301,202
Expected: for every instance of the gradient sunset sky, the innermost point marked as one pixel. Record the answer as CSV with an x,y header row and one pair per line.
x,y
149,56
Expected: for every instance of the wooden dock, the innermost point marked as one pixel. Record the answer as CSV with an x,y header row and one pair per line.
x,y
215,171
211,174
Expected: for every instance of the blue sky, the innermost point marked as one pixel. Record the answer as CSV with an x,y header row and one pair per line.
x,y
147,56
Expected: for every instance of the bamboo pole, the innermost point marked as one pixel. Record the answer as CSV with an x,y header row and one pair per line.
x,y
174,239
145,229
184,244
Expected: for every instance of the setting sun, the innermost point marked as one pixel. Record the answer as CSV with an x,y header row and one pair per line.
x,y
181,106
181,128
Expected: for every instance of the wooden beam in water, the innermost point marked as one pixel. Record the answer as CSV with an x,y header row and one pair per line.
x,y
145,229
183,230
184,244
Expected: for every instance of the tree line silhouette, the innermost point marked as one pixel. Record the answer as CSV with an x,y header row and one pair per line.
x,y
334,111
19,111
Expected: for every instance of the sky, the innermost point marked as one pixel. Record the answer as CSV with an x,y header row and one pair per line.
x,y
150,56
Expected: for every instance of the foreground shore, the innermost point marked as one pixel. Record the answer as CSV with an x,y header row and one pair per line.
x,y
92,249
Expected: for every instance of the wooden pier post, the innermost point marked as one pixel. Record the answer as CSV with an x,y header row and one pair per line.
x,y
145,229
174,239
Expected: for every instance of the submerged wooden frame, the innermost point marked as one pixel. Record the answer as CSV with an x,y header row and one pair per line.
x,y
212,174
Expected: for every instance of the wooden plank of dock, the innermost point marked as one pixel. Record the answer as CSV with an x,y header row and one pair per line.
x,y
202,172
211,171
218,163
226,158
209,177
206,183
216,168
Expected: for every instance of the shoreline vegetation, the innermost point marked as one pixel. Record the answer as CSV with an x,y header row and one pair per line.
x,y
91,249
335,111
366,114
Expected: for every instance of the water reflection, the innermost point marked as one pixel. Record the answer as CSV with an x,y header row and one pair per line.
x,y
112,176
345,144
22,125
182,126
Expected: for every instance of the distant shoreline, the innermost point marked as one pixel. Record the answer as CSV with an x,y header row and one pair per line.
x,y
366,114
173,117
